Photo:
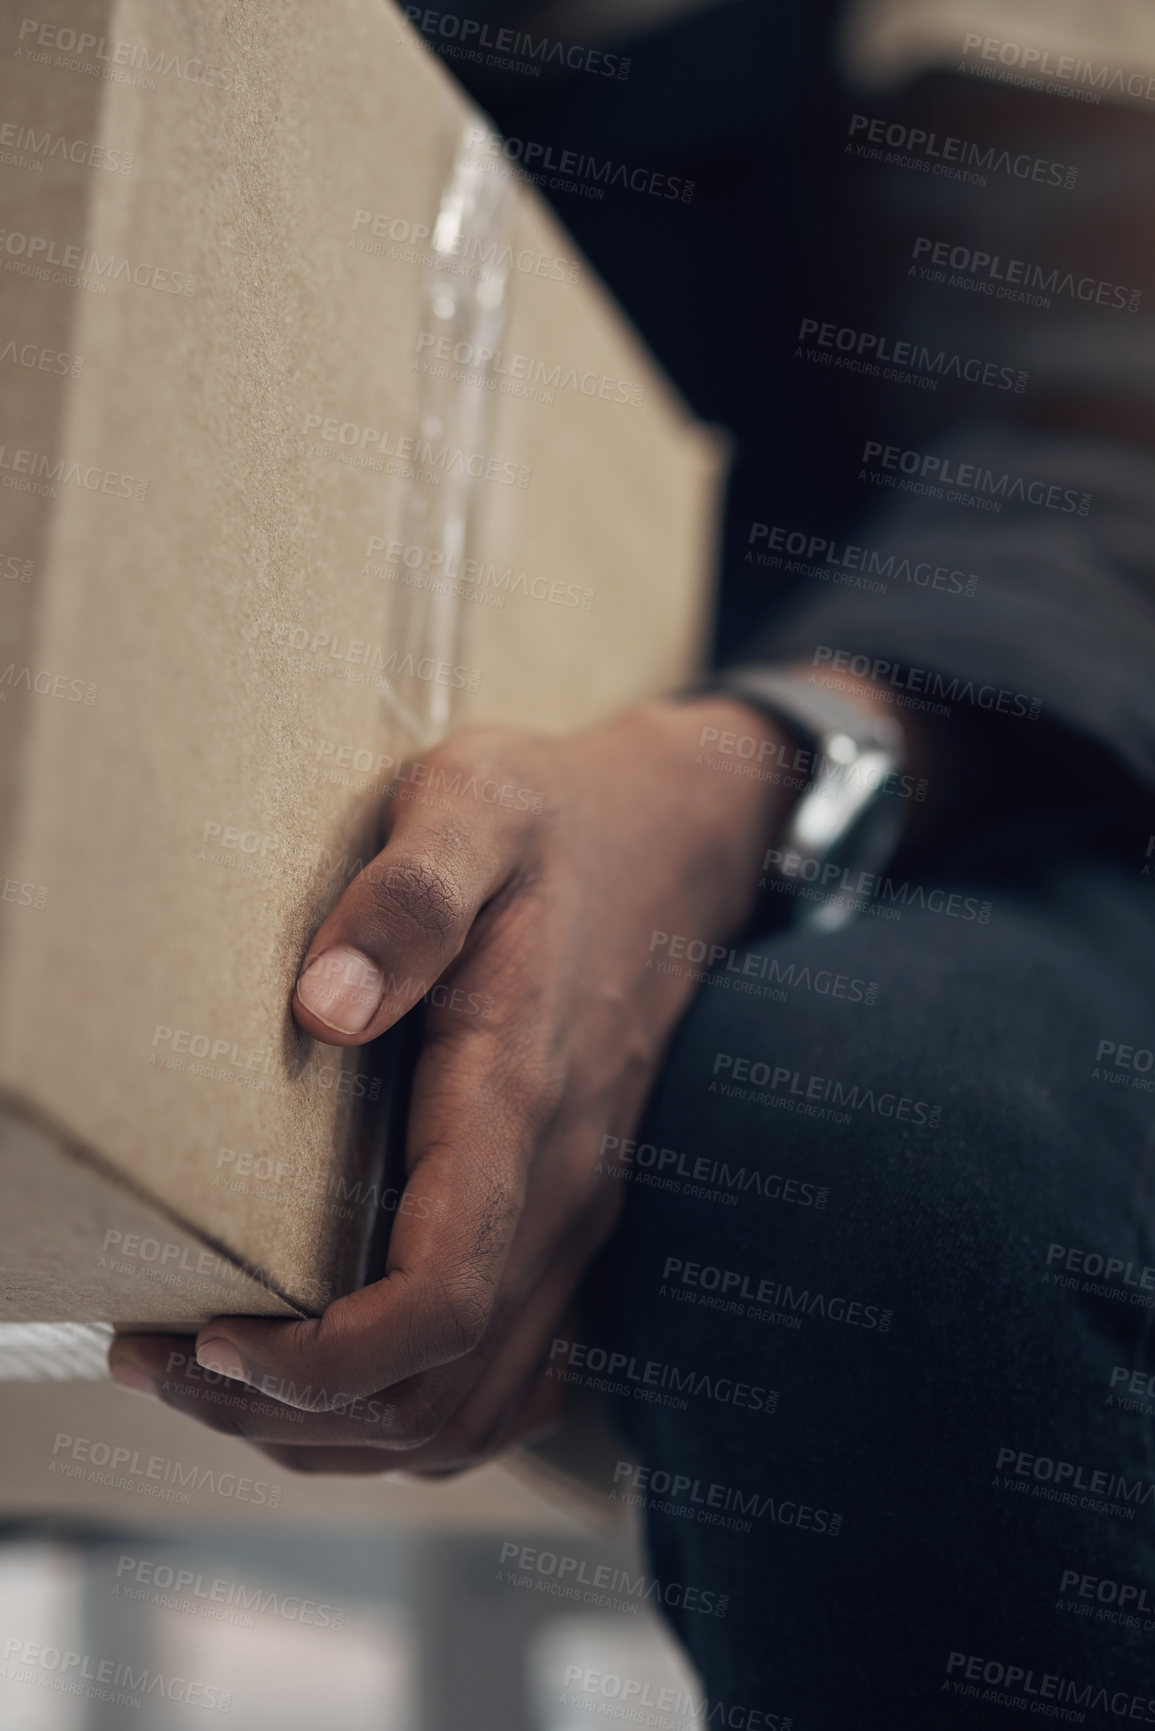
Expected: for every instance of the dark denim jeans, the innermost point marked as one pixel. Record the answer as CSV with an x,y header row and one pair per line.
x,y
885,1292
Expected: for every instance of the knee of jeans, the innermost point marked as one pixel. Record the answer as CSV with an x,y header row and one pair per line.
x,y
929,1033
923,1071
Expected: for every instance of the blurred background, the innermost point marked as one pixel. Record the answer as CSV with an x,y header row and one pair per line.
x,y
426,1639
145,1580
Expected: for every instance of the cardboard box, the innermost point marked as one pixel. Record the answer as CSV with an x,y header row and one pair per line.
x,y
317,439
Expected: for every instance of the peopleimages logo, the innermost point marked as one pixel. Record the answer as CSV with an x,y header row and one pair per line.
x,y
38,250
737,1290
175,1588
867,892
845,562
1094,1481
127,1469
356,659
711,958
715,1504
1041,65
113,58
632,1694
29,144
1018,279
435,568
354,441
469,254
1107,1592
1111,1270
40,359
900,359
814,1091
45,684
954,158
42,473
473,362
1011,1685
469,36
649,1379
701,1176
536,160
938,477
896,677
102,1679
604,1578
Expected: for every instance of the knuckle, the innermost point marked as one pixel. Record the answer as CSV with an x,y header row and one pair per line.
x,y
332,1371
299,1373
536,1092
422,890
465,1316
449,1319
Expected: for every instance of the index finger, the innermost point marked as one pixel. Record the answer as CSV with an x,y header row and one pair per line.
x,y
472,1139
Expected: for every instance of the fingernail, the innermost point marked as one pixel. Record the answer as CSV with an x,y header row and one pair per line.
x,y
222,1357
133,1381
342,988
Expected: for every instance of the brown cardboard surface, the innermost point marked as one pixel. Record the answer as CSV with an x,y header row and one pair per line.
x,y
192,733
77,1239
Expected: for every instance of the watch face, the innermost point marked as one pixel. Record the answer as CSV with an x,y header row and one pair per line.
x,y
862,827
858,857
822,717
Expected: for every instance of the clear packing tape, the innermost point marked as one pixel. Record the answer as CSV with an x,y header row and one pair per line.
x,y
425,623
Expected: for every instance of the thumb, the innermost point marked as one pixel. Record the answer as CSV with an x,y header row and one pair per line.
x,y
399,925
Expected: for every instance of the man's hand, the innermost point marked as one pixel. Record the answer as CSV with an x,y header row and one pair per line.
x,y
546,918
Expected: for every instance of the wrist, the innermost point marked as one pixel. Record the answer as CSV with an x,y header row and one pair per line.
x,y
853,751
685,827
739,769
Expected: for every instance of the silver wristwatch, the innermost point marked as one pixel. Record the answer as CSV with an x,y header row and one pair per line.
x,y
843,830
